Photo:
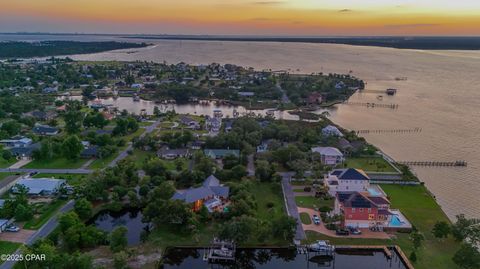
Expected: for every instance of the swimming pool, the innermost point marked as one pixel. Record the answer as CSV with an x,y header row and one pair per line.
x,y
374,192
395,221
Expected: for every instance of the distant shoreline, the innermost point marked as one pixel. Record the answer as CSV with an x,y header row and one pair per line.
x,y
399,42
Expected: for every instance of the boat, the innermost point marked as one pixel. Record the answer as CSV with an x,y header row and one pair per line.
x,y
270,112
321,246
391,91
380,97
223,252
217,113
136,98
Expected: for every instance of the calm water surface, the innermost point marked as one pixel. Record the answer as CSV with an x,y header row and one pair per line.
x,y
182,258
441,95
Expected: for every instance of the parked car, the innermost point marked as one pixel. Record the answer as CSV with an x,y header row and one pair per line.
x,y
316,220
12,228
355,231
342,232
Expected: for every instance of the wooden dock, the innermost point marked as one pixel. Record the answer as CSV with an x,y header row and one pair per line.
x,y
220,251
404,258
389,131
372,105
384,249
460,163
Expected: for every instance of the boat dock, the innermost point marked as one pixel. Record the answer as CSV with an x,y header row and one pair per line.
x,y
372,105
434,163
384,249
220,251
390,131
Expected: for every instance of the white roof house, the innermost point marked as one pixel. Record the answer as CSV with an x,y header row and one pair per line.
x,y
40,186
331,130
329,155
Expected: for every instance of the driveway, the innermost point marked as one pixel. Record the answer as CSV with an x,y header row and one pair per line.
x,y
366,233
20,163
19,237
292,206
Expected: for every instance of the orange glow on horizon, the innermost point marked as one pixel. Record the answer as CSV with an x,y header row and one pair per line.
x,y
299,17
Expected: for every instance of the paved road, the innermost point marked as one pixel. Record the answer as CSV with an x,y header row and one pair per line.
x,y
43,232
251,165
285,98
292,209
124,153
47,171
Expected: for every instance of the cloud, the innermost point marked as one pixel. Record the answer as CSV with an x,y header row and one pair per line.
x,y
345,10
268,3
413,25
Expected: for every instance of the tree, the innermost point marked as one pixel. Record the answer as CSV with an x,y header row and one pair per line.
x,y
284,227
73,121
239,229
72,147
413,257
467,257
118,239
263,170
120,260
23,212
441,229
466,229
83,208
417,238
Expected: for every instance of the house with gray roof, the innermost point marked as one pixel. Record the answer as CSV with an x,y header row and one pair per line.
x,y
44,130
221,153
331,130
40,186
329,155
211,194
170,154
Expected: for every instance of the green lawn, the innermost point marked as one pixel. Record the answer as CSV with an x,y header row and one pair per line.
x,y
305,218
47,213
376,164
313,202
8,247
422,211
141,156
269,197
7,163
60,163
101,163
171,164
72,179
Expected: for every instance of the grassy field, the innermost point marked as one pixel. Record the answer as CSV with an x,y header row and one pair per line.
x,y
58,163
422,211
47,213
270,203
312,202
7,163
377,164
140,157
72,179
8,247
305,218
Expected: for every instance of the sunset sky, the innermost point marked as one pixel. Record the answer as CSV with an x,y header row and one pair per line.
x,y
244,17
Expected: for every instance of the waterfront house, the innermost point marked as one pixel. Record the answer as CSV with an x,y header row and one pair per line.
x,y
228,126
197,144
211,194
329,155
45,130
331,130
189,122
344,145
221,153
314,98
340,85
213,124
170,154
40,186
361,211
348,179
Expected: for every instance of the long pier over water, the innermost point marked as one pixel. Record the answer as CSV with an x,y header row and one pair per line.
x,y
389,131
372,105
434,163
